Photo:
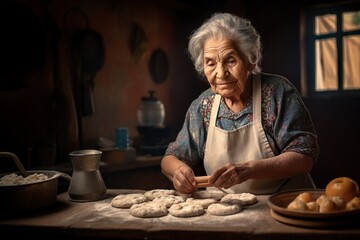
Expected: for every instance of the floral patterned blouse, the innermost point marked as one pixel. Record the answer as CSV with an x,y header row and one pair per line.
x,y
285,119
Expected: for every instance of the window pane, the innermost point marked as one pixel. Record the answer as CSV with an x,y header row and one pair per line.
x,y
326,65
351,21
351,62
325,24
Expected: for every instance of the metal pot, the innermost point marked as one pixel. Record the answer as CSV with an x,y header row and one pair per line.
x,y
25,197
22,198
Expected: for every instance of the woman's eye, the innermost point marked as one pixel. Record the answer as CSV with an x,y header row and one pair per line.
x,y
231,61
210,63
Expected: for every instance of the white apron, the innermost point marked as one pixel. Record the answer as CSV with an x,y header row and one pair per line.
x,y
246,143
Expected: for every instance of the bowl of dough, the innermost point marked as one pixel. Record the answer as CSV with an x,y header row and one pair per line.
x,y
25,191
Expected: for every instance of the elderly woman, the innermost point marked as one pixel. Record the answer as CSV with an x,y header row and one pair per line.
x,y
250,130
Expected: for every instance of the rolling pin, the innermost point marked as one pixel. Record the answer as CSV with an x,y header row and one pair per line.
x,y
202,181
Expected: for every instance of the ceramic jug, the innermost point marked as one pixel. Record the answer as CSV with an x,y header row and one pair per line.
x,y
151,112
86,182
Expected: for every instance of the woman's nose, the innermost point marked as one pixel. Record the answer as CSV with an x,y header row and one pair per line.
x,y
221,71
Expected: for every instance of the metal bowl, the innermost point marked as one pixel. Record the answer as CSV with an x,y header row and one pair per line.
x,y
23,198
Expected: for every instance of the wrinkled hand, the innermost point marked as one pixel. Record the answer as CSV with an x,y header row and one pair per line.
x,y
184,180
230,174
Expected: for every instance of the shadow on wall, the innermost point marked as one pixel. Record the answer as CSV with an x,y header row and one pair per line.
x,y
338,141
22,45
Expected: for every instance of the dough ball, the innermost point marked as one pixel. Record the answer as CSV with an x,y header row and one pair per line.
x,y
169,200
155,193
223,209
205,203
240,198
127,200
186,209
148,210
216,194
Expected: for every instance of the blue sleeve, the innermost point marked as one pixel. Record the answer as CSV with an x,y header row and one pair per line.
x,y
293,127
189,143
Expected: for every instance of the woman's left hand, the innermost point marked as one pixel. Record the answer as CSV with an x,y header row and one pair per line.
x,y
230,174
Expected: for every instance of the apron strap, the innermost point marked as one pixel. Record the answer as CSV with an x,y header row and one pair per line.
x,y
256,89
211,128
215,110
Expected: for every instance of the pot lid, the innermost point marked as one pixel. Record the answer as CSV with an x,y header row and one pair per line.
x,y
150,98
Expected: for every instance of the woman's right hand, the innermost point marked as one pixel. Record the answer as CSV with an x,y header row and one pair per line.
x,y
184,180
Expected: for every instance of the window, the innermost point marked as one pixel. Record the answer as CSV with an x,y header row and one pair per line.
x,y
331,56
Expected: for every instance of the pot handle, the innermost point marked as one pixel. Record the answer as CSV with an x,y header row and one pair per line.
x,y
65,176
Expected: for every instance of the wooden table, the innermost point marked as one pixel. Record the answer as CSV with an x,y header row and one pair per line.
x,y
99,220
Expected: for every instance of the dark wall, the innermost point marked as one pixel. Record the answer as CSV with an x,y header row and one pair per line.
x,y
39,120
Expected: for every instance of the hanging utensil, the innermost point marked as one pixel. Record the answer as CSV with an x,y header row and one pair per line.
x,y
17,162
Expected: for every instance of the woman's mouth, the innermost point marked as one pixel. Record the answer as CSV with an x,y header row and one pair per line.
x,y
225,83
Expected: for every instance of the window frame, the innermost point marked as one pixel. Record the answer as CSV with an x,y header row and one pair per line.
x,y
308,41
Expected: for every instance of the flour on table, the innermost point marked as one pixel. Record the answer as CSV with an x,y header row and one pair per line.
x,y
127,200
240,198
148,210
152,194
205,202
216,194
186,209
223,209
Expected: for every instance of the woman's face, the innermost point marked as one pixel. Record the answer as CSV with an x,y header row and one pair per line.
x,y
225,67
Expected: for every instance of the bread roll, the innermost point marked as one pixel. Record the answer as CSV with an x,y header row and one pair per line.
x,y
297,205
320,199
353,204
305,197
313,206
326,205
344,187
339,202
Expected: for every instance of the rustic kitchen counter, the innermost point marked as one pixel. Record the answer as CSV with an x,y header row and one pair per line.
x,y
141,172
100,220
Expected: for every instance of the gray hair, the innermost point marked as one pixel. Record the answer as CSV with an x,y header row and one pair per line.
x,y
229,26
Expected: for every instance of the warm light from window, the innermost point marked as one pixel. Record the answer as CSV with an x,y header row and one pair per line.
x,y
351,21
327,54
326,65
351,49
325,24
